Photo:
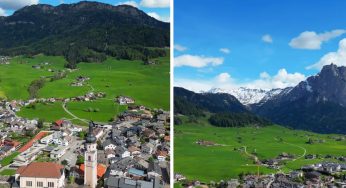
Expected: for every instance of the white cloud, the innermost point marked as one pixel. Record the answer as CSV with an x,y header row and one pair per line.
x,y
158,17
180,48
223,80
16,4
225,50
196,61
338,57
264,75
311,40
282,79
155,3
132,3
194,85
223,77
2,12
267,38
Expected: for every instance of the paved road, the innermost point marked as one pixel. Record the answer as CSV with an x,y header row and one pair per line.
x,y
270,183
69,155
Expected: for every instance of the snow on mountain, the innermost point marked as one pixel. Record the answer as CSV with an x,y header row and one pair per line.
x,y
249,96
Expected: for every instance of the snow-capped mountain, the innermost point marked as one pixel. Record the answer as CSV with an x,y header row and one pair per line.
x,y
315,104
249,96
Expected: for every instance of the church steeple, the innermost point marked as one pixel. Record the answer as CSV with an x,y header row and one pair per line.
x,y
90,137
90,161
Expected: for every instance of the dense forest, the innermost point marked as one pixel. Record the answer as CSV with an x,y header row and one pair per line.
x,y
225,109
182,106
84,32
212,102
237,120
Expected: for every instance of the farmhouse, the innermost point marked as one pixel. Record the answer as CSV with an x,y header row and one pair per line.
x,y
80,81
4,60
123,100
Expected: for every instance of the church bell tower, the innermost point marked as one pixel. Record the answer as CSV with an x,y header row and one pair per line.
x,y
90,161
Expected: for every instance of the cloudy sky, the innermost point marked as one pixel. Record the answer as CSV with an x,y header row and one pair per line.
x,y
158,9
258,44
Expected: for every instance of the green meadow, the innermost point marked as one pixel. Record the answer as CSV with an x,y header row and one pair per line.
x,y
101,110
215,163
147,84
49,112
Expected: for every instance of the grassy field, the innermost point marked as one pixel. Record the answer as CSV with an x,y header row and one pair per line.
x,y
8,160
16,77
49,112
8,172
224,162
104,110
147,84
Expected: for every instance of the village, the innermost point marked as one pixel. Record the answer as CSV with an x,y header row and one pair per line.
x,y
131,151
323,174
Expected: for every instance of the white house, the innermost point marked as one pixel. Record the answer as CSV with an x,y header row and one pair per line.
x,y
58,152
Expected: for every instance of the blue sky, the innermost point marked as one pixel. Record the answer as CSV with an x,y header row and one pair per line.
x,y
155,8
266,44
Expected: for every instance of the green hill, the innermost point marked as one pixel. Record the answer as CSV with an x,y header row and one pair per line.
x,y
84,32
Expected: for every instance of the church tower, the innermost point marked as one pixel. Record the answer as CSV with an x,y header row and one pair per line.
x,y
90,161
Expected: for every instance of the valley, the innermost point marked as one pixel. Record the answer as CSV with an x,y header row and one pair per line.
x,y
235,157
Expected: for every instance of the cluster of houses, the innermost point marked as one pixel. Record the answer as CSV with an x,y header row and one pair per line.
x,y
4,60
298,179
90,96
80,81
275,163
326,167
10,122
135,153
132,152
324,174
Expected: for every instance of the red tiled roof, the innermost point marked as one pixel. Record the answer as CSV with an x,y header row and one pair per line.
x,y
30,143
161,153
101,170
11,143
41,170
59,122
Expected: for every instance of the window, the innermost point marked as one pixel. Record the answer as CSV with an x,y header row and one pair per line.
x,y
29,183
89,158
39,184
50,184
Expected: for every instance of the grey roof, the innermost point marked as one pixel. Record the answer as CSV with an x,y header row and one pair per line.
x,y
109,142
117,182
119,150
154,167
122,164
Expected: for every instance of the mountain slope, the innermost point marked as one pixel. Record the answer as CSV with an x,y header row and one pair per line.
x,y
225,109
87,29
317,104
218,102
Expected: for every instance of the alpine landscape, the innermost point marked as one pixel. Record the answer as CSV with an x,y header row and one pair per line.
x,y
84,96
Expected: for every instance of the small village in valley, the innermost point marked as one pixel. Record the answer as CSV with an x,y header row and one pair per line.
x,y
132,150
